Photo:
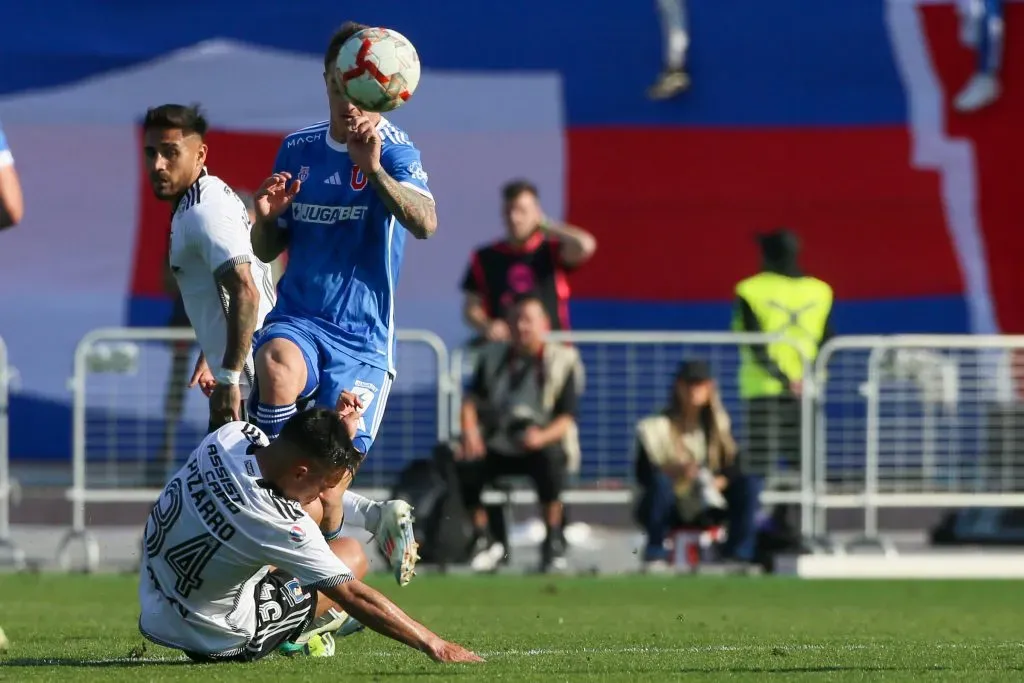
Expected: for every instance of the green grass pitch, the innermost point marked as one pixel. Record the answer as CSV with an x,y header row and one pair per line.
x,y
82,628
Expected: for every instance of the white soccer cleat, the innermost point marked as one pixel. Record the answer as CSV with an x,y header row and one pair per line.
x,y
395,539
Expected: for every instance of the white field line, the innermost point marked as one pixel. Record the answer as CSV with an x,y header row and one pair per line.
x,y
653,650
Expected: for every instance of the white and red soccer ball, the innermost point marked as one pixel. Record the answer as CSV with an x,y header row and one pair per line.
x,y
378,69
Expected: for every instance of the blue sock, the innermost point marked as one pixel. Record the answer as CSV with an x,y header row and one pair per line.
x,y
272,418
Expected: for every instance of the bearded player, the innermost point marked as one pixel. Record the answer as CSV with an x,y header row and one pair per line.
x,y
343,195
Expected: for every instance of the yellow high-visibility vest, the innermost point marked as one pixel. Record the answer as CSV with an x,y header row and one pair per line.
x,y
796,308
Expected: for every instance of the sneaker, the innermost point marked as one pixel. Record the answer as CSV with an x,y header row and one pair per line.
x,y
656,567
670,83
982,90
317,646
486,553
395,539
552,553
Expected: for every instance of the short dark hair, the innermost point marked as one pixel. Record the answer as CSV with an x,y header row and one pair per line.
x,y
521,300
321,435
188,120
344,32
512,189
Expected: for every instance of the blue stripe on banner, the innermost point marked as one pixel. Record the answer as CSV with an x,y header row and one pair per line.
x,y
918,315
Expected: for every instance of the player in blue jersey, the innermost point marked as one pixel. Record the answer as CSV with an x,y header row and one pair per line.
x,y
12,203
343,194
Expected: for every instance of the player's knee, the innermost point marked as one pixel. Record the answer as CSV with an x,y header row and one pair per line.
x,y
350,551
281,371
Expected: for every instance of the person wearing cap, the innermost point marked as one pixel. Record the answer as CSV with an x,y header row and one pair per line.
x,y
688,470
779,300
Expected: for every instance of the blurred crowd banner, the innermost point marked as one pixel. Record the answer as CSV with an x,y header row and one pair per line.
x,y
834,120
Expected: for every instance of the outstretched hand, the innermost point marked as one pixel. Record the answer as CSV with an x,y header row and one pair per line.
x,y
450,653
274,195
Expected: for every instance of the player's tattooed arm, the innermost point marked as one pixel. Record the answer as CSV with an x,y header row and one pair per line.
x,y
413,210
243,309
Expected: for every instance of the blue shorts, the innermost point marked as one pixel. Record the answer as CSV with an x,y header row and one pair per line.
x,y
328,373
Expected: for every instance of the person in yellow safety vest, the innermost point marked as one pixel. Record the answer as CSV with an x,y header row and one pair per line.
x,y
780,300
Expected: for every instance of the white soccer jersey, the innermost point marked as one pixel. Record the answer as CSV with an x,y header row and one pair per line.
x,y
210,235
212,536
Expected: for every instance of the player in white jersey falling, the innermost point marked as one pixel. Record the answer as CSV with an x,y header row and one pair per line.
x,y
233,567
227,292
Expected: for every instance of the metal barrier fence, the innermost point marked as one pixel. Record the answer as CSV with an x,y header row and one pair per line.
x,y
8,487
134,422
902,421
917,421
629,375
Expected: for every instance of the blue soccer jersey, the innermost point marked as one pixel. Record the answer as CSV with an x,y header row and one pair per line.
x,y
345,247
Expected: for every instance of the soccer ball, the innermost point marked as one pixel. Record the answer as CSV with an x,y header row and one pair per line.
x,y
378,69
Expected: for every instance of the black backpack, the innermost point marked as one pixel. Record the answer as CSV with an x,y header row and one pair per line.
x,y
443,528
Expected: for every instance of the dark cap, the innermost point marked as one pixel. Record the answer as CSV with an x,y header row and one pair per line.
x,y
693,371
778,244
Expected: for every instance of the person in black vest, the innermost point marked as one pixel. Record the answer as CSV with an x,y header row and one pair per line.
x,y
534,258
518,418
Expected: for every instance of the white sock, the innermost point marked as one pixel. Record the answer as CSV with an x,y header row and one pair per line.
x,y
361,511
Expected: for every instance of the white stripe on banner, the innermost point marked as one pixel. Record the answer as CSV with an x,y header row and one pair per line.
x,y
952,158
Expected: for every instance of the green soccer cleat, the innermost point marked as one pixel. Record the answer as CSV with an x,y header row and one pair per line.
x,y
314,641
321,645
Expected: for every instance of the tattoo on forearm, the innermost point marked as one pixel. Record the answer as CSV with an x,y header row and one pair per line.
x,y
413,210
242,312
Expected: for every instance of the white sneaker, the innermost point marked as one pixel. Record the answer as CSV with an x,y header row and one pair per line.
x,y
395,539
981,91
488,559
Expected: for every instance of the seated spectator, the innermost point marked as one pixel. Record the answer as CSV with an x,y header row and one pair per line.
x,y
534,258
518,418
688,471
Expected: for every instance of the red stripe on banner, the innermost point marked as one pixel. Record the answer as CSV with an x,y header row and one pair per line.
x,y
242,160
997,136
675,211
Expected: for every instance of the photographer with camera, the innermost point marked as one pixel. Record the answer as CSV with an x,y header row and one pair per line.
x,y
518,418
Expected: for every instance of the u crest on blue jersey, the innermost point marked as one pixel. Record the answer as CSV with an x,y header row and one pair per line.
x,y
303,173
358,179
